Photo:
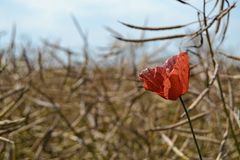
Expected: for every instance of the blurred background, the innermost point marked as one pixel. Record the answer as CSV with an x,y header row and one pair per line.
x,y
42,19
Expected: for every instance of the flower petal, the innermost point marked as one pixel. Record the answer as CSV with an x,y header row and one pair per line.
x,y
176,86
169,63
170,80
160,77
150,83
183,67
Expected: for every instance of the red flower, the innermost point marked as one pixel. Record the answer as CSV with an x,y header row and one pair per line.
x,y
170,80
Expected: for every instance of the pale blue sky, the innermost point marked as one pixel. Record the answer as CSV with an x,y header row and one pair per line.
x,y
50,19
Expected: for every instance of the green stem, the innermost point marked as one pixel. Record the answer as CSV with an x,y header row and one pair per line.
x,y
190,124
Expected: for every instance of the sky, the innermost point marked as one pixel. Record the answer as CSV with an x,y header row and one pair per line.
x,y
51,19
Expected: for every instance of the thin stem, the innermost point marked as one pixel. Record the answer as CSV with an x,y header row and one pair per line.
x,y
190,124
219,82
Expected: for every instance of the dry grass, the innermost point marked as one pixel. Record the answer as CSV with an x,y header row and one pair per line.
x,y
96,112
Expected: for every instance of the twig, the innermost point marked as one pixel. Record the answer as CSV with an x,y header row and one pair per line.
x,y
183,122
174,148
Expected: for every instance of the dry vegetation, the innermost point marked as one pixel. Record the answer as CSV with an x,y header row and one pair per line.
x,y
60,109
